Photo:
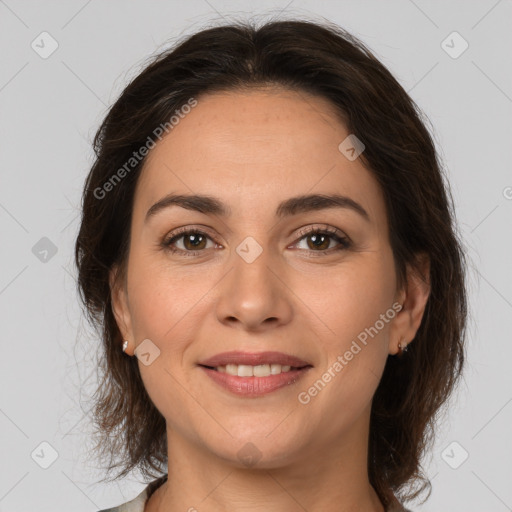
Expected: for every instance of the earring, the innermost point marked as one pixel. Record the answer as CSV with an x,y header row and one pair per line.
x,y
402,348
125,345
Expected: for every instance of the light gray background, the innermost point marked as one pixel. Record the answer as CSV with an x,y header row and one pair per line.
x,y
50,109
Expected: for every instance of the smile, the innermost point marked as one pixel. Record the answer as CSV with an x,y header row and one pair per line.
x,y
249,385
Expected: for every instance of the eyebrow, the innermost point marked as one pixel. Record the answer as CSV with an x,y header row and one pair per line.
x,y
292,206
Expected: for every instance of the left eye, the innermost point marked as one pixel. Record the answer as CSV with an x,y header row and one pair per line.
x,y
320,240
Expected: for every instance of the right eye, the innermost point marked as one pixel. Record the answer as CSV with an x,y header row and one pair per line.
x,y
194,241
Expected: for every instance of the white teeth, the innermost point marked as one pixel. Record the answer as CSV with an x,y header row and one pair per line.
x,y
261,370
245,370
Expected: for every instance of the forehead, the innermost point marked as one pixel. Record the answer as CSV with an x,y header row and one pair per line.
x,y
253,148
244,127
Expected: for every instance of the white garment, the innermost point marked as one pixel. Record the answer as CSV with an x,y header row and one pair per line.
x,y
136,505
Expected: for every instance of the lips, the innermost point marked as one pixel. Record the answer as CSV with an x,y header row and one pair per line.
x,y
253,359
254,387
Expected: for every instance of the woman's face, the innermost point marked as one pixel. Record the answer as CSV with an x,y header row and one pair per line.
x,y
253,280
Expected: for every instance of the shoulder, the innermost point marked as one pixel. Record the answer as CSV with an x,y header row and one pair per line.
x,y
135,505
138,503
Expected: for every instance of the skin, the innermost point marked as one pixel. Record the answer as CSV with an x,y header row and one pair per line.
x,y
252,150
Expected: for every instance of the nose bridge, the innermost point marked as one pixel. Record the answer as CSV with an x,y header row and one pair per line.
x,y
252,293
252,263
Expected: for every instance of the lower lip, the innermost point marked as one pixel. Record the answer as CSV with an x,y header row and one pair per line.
x,y
255,386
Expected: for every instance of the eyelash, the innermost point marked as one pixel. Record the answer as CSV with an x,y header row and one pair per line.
x,y
344,242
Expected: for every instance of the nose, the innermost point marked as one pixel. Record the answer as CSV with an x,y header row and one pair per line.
x,y
253,296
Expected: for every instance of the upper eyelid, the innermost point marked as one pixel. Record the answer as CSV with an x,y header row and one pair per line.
x,y
324,227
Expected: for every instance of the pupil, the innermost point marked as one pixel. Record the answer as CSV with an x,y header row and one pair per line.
x,y
318,238
195,239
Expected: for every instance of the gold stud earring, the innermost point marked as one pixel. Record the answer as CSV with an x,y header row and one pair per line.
x,y
402,347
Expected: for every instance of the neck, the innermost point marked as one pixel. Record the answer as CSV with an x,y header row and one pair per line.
x,y
320,478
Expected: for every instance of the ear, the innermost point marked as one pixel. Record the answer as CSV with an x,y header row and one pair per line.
x,y
413,297
120,307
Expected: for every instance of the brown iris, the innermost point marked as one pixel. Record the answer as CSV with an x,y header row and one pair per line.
x,y
316,237
195,239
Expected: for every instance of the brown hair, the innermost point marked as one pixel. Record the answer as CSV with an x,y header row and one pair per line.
x,y
326,61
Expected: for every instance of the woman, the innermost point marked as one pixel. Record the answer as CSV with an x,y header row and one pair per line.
x,y
270,250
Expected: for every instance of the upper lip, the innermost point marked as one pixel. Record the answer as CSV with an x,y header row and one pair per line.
x,y
253,359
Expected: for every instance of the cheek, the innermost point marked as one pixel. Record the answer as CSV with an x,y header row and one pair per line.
x,y
349,298
163,298
354,305
364,322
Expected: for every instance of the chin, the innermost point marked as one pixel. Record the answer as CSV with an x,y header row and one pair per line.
x,y
259,448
